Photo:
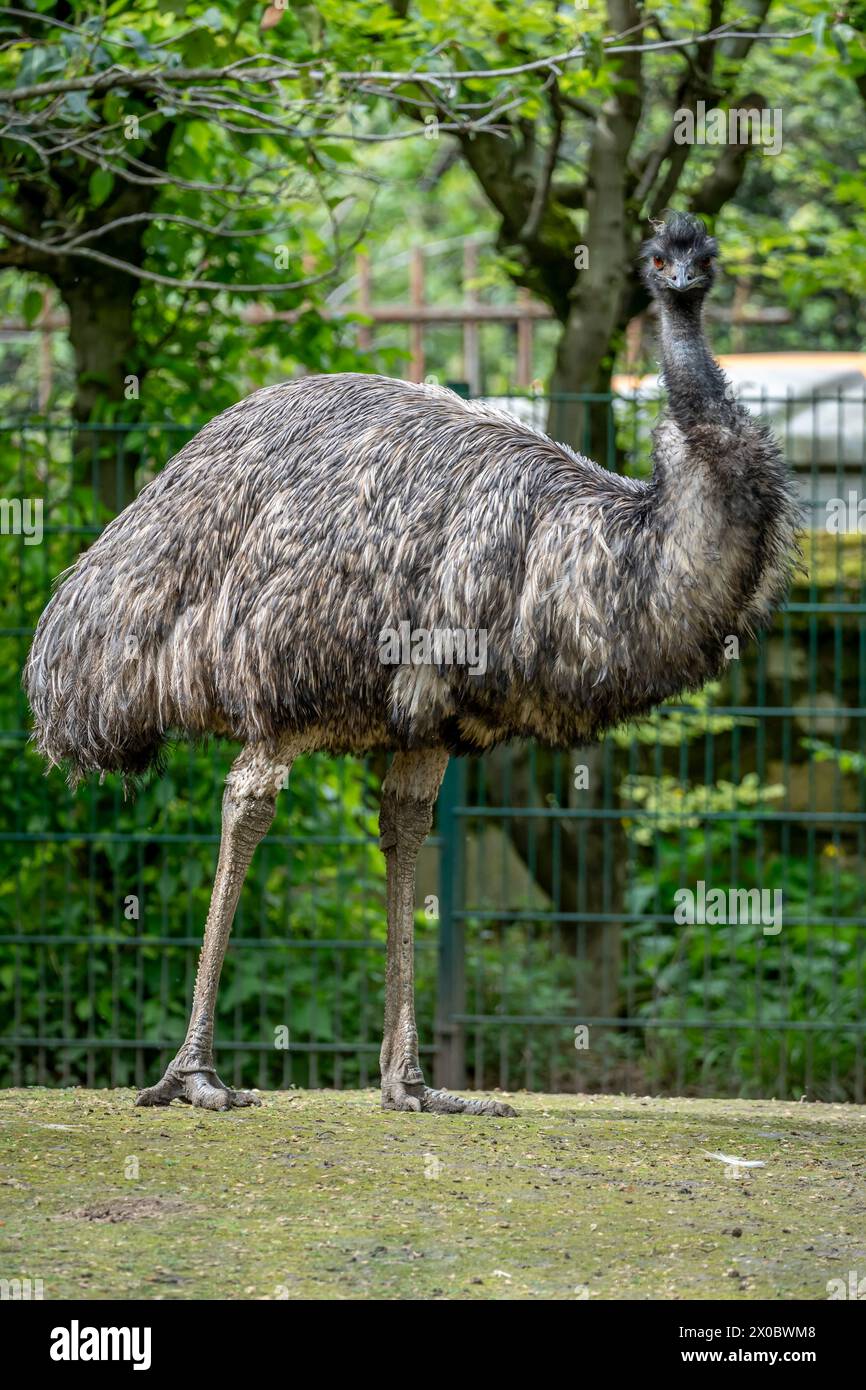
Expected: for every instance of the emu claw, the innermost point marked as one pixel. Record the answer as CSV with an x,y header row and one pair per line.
x,y
195,1085
397,1095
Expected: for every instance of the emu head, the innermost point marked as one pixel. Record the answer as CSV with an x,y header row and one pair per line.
x,y
678,260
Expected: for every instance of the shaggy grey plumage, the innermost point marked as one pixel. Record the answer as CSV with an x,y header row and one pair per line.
x,y
243,593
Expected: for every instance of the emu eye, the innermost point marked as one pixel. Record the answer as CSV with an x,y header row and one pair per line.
x,y
658,262
706,262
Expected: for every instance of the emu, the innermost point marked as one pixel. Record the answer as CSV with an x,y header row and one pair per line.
x,y
244,593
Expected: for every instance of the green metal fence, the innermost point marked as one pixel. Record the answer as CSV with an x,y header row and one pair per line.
x,y
549,954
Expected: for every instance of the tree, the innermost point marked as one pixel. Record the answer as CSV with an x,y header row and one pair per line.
x,y
161,176
595,150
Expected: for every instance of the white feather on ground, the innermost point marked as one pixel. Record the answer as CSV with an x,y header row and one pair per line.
x,y
737,1162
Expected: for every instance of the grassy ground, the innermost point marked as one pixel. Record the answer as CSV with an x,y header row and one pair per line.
x,y
323,1195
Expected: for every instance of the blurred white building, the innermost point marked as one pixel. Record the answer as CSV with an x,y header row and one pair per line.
x,y
815,402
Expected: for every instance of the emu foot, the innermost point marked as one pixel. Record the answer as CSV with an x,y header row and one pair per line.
x,y
195,1083
401,1095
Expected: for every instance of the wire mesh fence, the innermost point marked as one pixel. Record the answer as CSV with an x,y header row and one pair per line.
x,y
678,909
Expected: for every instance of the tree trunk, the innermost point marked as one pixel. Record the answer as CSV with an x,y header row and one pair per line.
x,y
100,305
587,425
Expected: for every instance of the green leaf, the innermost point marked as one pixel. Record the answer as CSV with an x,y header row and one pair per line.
x,y
32,306
76,104
101,184
140,44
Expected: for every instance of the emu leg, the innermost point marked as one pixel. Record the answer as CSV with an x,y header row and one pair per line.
x,y
248,806
409,794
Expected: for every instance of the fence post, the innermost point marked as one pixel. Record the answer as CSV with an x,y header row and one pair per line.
x,y
416,326
524,341
450,1055
471,335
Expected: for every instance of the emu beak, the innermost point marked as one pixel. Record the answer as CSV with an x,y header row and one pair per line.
x,y
680,279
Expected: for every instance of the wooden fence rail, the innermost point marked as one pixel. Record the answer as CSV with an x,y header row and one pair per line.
x,y
417,314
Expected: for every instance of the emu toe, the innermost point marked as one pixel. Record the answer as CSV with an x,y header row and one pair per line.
x,y
195,1086
396,1095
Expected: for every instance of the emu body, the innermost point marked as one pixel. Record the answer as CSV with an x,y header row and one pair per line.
x,y
245,592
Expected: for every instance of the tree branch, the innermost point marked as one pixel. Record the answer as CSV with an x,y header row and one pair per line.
x,y
541,192
57,251
242,70
725,178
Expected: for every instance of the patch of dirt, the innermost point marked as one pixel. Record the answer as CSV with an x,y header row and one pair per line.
x,y
130,1209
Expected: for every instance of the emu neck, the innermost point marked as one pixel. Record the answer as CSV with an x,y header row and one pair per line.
x,y
694,382
705,523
